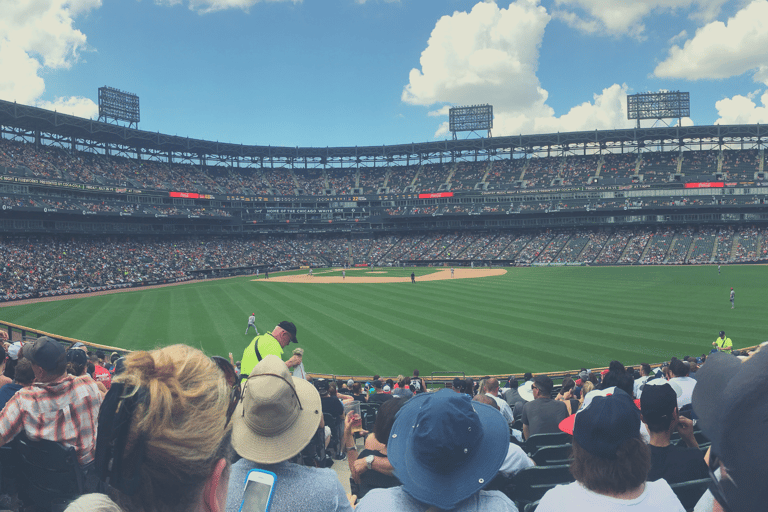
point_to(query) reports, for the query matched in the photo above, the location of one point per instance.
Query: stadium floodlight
(470, 119)
(659, 105)
(119, 106)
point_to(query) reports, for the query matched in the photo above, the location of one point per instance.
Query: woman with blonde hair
(164, 433)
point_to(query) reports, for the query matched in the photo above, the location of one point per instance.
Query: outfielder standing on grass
(252, 323)
(732, 297)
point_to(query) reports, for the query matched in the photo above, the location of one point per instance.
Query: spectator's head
(323, 386)
(100, 355)
(732, 406)
(386, 389)
(621, 380)
(285, 333)
(586, 388)
(617, 367)
(164, 432)
(277, 415)
(377, 385)
(645, 369)
(492, 386)
(512, 383)
(227, 369)
(48, 357)
(24, 375)
(357, 388)
(458, 385)
(77, 362)
(527, 376)
(416, 373)
(658, 405)
(568, 385)
(542, 386)
(14, 351)
(469, 386)
(679, 368)
(445, 448)
(609, 456)
(485, 399)
(390, 383)
(385, 418)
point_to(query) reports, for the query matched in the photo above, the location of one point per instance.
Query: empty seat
(531, 484)
(690, 492)
(553, 455)
(536, 441)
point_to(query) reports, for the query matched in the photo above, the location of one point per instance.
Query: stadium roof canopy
(35, 119)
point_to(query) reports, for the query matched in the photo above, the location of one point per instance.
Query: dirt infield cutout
(460, 273)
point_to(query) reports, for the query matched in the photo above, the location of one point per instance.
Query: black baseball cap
(77, 357)
(46, 353)
(291, 328)
(657, 402)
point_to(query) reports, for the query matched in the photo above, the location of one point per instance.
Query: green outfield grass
(531, 319)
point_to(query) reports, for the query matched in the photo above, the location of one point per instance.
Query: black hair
(385, 418)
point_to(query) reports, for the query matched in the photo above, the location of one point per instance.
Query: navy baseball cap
(606, 423)
(46, 353)
(291, 328)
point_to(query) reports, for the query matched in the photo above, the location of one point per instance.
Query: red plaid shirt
(65, 411)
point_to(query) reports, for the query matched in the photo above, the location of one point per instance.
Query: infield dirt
(319, 278)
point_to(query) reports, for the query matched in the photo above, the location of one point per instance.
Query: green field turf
(531, 319)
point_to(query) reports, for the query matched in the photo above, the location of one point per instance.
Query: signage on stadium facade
(190, 195)
(434, 195)
(81, 186)
(706, 184)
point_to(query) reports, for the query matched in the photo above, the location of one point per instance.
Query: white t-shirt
(686, 384)
(516, 461)
(574, 497)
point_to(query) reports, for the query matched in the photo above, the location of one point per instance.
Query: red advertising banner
(435, 194)
(188, 195)
(706, 184)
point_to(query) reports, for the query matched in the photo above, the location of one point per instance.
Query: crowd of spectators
(680, 246)
(658, 247)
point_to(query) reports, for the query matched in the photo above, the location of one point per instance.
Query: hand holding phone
(259, 488)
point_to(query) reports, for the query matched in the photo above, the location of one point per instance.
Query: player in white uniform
(733, 296)
(252, 323)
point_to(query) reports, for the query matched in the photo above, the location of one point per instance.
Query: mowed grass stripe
(531, 319)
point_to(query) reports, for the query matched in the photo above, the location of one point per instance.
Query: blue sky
(357, 72)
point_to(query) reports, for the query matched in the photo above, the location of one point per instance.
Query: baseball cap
(77, 357)
(730, 401)
(322, 385)
(657, 403)
(46, 353)
(386, 388)
(291, 328)
(606, 423)
(722, 333)
(14, 350)
(445, 447)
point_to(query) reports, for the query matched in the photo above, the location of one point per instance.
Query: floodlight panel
(474, 118)
(118, 105)
(659, 105)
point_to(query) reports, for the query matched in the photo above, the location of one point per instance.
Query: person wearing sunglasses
(542, 414)
(732, 407)
(163, 440)
(275, 419)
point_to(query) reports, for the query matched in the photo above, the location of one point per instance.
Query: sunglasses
(717, 486)
(234, 399)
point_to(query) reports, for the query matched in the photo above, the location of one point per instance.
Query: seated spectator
(357, 393)
(39, 409)
(164, 434)
(566, 395)
(673, 463)
(444, 449)
(23, 377)
(542, 415)
(3, 361)
(77, 364)
(681, 371)
(100, 374)
(402, 388)
(732, 407)
(516, 459)
(645, 374)
(610, 463)
(378, 395)
(512, 396)
(491, 389)
(276, 418)
(370, 468)
(417, 383)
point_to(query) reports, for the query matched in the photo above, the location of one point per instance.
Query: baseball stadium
(470, 261)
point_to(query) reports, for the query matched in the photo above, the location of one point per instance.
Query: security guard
(270, 343)
(723, 343)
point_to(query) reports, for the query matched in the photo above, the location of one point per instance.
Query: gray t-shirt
(395, 498)
(297, 488)
(543, 415)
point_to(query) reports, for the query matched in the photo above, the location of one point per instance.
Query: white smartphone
(259, 488)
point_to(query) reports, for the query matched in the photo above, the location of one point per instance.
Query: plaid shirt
(65, 411)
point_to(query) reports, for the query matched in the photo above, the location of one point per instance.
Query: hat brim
(708, 395)
(446, 489)
(286, 445)
(525, 390)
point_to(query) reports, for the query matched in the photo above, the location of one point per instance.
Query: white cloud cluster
(208, 6)
(35, 36)
(490, 55)
(743, 109)
(622, 17)
(722, 50)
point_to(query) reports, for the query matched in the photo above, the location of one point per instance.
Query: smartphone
(259, 488)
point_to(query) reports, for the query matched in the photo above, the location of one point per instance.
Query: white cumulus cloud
(490, 55)
(625, 17)
(38, 36)
(742, 109)
(722, 50)
(208, 6)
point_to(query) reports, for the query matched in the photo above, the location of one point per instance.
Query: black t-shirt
(372, 479)
(332, 406)
(677, 464)
(379, 397)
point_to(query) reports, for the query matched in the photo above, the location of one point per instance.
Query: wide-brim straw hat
(277, 414)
